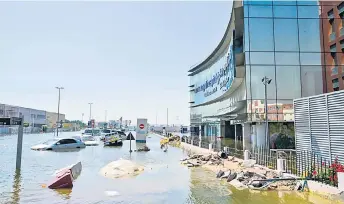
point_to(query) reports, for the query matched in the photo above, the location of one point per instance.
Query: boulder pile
(245, 174)
(199, 159)
(256, 178)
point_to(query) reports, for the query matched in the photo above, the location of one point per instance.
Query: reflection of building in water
(279, 40)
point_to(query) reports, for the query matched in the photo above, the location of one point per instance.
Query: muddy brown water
(164, 180)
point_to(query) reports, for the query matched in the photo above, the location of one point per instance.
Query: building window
(335, 60)
(335, 84)
(340, 8)
(342, 44)
(342, 19)
(333, 48)
(333, 27)
(330, 14)
(334, 71)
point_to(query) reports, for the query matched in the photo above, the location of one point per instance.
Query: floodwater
(164, 180)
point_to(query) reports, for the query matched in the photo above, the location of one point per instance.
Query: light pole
(91, 116)
(266, 81)
(167, 121)
(58, 111)
(82, 120)
(90, 110)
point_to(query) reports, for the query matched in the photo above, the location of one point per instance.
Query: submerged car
(90, 140)
(92, 131)
(60, 144)
(103, 133)
(112, 140)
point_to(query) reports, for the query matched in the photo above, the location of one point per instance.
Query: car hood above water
(39, 146)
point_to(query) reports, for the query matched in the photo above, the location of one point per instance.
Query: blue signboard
(213, 84)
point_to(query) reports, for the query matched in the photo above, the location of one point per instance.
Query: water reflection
(16, 187)
(64, 193)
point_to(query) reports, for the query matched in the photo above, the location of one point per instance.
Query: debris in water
(112, 193)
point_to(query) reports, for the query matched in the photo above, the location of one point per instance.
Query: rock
(231, 158)
(271, 174)
(190, 165)
(144, 149)
(238, 184)
(216, 157)
(206, 157)
(194, 162)
(248, 174)
(241, 179)
(121, 168)
(195, 156)
(257, 184)
(248, 163)
(219, 174)
(226, 174)
(231, 177)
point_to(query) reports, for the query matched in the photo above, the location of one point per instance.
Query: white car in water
(92, 131)
(90, 140)
(60, 144)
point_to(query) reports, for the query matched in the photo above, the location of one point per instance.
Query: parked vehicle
(112, 140)
(60, 144)
(92, 131)
(121, 134)
(90, 140)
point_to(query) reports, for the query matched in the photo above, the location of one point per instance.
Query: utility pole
(105, 115)
(58, 111)
(266, 81)
(167, 121)
(90, 110)
(82, 117)
(91, 116)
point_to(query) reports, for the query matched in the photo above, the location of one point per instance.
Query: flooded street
(164, 180)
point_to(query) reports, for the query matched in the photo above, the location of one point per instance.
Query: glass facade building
(290, 42)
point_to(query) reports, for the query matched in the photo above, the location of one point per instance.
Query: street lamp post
(58, 111)
(266, 81)
(91, 116)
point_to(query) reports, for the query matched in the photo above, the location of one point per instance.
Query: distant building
(51, 118)
(33, 117)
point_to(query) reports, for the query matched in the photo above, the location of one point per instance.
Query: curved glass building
(281, 40)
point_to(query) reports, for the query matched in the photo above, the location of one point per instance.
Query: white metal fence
(319, 124)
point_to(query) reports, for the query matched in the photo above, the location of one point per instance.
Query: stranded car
(60, 144)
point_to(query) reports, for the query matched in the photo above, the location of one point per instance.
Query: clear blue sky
(129, 58)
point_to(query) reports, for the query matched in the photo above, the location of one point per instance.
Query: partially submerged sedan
(90, 140)
(60, 144)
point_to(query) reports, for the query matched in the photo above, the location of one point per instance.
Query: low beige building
(52, 118)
